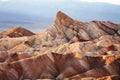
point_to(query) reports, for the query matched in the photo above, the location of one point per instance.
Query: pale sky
(4, 0)
(117, 2)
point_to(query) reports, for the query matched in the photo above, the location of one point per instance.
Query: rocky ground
(67, 50)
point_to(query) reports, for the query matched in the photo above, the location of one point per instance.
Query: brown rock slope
(16, 32)
(68, 50)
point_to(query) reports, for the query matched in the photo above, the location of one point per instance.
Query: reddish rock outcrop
(68, 50)
(16, 32)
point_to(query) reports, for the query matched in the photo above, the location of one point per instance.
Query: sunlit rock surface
(16, 32)
(67, 50)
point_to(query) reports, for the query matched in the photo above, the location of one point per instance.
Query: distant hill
(16, 32)
(9, 19)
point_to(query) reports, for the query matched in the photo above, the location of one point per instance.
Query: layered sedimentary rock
(68, 50)
(16, 32)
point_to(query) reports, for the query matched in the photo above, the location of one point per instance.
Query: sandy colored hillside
(67, 50)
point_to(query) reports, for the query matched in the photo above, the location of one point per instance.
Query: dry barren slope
(16, 32)
(68, 50)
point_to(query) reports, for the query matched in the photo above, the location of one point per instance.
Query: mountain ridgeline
(67, 50)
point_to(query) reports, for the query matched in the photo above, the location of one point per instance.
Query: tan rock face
(68, 50)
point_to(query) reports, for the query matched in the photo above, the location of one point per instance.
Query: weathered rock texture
(68, 50)
(16, 32)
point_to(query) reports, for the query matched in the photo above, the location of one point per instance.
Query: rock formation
(16, 32)
(68, 50)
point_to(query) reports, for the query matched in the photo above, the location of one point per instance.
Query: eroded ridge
(68, 50)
